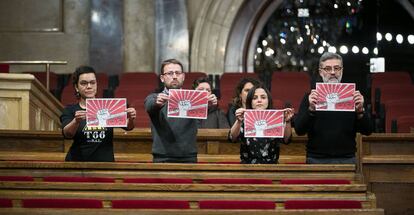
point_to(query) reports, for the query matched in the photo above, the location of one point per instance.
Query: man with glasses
(174, 139)
(331, 134)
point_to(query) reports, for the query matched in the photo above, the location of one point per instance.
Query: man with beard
(174, 139)
(331, 134)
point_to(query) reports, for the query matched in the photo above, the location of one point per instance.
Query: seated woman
(216, 117)
(89, 143)
(239, 99)
(259, 150)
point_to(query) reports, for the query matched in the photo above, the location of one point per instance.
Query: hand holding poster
(264, 123)
(106, 113)
(188, 104)
(335, 96)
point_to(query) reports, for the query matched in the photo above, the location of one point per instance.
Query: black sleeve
(67, 116)
(231, 115)
(222, 120)
(304, 117)
(364, 125)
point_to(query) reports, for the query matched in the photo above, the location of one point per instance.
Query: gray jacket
(174, 139)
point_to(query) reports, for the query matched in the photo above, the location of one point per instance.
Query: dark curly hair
(236, 98)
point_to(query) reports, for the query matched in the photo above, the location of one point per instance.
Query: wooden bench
(388, 168)
(130, 157)
(24, 211)
(137, 141)
(168, 170)
(193, 193)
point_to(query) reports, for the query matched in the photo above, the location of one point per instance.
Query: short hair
(79, 71)
(328, 56)
(250, 96)
(170, 61)
(200, 80)
(236, 98)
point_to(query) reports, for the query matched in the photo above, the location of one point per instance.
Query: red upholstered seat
(78, 179)
(142, 119)
(405, 123)
(4, 68)
(228, 82)
(314, 181)
(379, 80)
(190, 77)
(6, 203)
(62, 203)
(236, 204)
(16, 178)
(150, 204)
(159, 180)
(290, 87)
(395, 109)
(236, 181)
(322, 204)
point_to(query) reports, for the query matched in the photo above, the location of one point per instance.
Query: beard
(336, 79)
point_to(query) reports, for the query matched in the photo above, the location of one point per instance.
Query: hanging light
(388, 36)
(379, 36)
(399, 38)
(343, 49)
(365, 50)
(355, 49)
(410, 39)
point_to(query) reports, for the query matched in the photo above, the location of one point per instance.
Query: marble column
(106, 35)
(171, 32)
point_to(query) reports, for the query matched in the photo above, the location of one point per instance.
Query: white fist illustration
(331, 100)
(260, 126)
(184, 106)
(102, 116)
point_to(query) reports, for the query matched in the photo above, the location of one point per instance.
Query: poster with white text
(264, 123)
(106, 112)
(188, 104)
(335, 96)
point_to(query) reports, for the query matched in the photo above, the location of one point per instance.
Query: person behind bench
(89, 143)
(331, 134)
(174, 139)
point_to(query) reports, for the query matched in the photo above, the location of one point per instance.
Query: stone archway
(226, 34)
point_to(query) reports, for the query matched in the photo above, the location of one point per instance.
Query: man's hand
(359, 102)
(313, 99)
(162, 98)
(131, 113)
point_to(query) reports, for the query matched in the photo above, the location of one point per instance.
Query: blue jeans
(312, 160)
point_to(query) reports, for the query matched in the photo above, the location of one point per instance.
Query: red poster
(264, 123)
(335, 96)
(106, 112)
(188, 104)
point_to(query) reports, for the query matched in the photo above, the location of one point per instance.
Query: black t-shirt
(89, 143)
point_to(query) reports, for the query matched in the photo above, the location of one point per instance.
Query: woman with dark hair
(259, 150)
(239, 99)
(216, 117)
(89, 143)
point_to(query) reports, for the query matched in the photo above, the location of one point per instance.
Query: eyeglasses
(85, 83)
(330, 68)
(172, 73)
